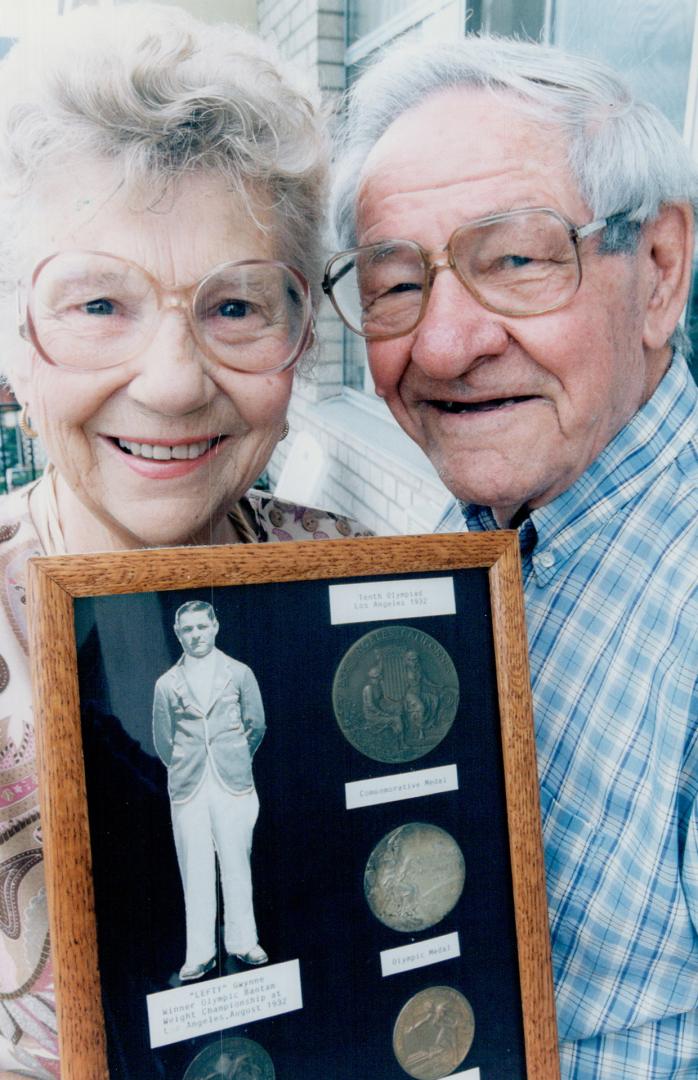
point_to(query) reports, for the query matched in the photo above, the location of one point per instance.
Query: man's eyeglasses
(88, 310)
(525, 262)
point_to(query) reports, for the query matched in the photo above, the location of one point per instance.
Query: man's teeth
(478, 406)
(182, 452)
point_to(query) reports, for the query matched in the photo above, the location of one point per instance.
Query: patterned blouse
(28, 1035)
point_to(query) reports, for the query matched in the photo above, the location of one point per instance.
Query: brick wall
(374, 472)
(310, 32)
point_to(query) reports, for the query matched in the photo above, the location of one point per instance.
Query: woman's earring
(26, 424)
(284, 431)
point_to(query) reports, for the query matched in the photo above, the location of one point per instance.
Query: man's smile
(487, 405)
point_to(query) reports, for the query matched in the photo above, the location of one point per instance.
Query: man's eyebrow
(512, 208)
(506, 208)
(509, 208)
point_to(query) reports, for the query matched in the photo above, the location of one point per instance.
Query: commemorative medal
(395, 694)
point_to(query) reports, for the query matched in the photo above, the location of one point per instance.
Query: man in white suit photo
(208, 721)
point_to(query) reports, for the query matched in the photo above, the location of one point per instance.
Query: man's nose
(456, 330)
(172, 377)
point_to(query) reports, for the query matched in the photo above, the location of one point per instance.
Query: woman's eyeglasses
(88, 310)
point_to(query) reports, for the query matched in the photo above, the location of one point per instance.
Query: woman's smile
(166, 460)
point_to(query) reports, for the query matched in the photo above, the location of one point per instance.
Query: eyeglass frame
(432, 266)
(178, 296)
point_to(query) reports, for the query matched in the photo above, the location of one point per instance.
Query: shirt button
(546, 560)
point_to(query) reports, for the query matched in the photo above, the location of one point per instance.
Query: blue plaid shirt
(610, 570)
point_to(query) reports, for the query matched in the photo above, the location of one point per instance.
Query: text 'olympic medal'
(433, 1033)
(231, 1059)
(414, 877)
(395, 694)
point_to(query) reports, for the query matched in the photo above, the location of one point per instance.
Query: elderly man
(521, 235)
(208, 720)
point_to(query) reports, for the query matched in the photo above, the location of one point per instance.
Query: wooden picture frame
(277, 597)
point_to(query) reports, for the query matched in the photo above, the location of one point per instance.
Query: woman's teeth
(182, 452)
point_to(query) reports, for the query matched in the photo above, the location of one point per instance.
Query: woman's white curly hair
(160, 94)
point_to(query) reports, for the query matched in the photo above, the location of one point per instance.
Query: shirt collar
(633, 459)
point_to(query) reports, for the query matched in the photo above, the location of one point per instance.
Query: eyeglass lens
(524, 264)
(93, 311)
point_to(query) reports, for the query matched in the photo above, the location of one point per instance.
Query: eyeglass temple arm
(329, 282)
(22, 315)
(600, 223)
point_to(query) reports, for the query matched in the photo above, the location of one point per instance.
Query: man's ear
(668, 242)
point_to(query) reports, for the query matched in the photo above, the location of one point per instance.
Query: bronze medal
(395, 694)
(433, 1033)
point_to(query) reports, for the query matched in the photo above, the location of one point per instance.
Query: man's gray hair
(160, 94)
(624, 154)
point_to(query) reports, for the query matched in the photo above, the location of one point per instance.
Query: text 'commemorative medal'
(433, 1033)
(414, 877)
(231, 1059)
(395, 694)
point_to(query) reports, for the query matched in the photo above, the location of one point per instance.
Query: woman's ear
(669, 247)
(16, 352)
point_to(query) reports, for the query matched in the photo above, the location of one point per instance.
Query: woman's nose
(172, 376)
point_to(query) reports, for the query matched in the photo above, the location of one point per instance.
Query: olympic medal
(414, 877)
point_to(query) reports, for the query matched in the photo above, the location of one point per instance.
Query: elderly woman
(161, 190)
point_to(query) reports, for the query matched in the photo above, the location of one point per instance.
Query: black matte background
(309, 851)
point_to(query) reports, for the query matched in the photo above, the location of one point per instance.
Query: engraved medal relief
(433, 1033)
(414, 877)
(231, 1059)
(395, 694)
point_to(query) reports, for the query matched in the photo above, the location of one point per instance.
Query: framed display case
(290, 812)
